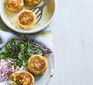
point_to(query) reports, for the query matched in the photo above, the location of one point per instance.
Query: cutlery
(39, 11)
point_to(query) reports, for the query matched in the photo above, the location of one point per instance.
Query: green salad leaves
(20, 50)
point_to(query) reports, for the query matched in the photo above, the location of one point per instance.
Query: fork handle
(46, 2)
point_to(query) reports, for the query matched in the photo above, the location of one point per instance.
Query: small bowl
(10, 18)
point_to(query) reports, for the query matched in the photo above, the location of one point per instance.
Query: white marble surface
(73, 42)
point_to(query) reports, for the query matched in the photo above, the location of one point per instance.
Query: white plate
(47, 17)
(40, 80)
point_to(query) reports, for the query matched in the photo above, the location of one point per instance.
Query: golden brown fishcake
(32, 3)
(14, 5)
(26, 19)
(22, 78)
(37, 64)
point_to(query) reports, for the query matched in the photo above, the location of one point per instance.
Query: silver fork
(39, 11)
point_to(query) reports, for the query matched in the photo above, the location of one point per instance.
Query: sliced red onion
(5, 69)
